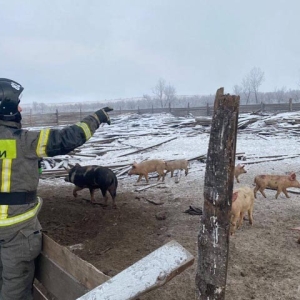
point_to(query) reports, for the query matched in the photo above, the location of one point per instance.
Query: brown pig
(276, 182)
(238, 170)
(145, 167)
(178, 164)
(242, 201)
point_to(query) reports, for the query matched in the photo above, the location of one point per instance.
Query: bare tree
(158, 91)
(256, 78)
(279, 94)
(246, 89)
(170, 93)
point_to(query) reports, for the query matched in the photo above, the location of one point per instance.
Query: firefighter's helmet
(10, 92)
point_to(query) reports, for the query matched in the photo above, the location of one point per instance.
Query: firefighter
(20, 151)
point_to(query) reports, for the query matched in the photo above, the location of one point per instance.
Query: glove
(103, 116)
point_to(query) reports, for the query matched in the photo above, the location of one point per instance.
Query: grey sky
(63, 50)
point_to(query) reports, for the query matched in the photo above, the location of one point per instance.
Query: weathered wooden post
(213, 238)
(207, 109)
(290, 104)
(56, 114)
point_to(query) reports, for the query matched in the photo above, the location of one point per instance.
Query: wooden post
(207, 109)
(57, 121)
(213, 238)
(290, 104)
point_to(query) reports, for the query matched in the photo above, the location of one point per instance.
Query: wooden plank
(57, 281)
(83, 271)
(149, 273)
(38, 294)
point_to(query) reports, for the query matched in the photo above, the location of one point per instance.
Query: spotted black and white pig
(93, 177)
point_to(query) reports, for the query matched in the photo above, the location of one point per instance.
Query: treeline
(279, 96)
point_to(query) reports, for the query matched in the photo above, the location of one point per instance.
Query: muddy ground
(264, 260)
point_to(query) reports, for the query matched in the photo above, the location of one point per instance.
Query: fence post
(57, 117)
(290, 104)
(188, 108)
(213, 237)
(207, 109)
(262, 106)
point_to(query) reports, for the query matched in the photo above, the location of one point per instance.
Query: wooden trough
(62, 275)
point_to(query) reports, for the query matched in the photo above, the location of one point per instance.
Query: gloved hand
(103, 116)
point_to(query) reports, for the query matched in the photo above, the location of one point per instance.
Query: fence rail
(63, 118)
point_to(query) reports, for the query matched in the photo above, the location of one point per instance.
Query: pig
(276, 182)
(238, 170)
(242, 201)
(178, 164)
(145, 167)
(94, 177)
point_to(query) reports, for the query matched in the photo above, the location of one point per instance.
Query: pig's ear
(68, 170)
(243, 166)
(134, 165)
(292, 176)
(234, 196)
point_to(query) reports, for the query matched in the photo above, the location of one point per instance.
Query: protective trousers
(17, 254)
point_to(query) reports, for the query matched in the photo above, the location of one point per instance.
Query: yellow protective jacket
(20, 151)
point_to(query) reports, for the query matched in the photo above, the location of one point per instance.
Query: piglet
(145, 167)
(178, 164)
(275, 182)
(242, 201)
(238, 170)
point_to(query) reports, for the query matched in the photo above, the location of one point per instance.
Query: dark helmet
(10, 92)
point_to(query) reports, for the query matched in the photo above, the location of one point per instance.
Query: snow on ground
(129, 133)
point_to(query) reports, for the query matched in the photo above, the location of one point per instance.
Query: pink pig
(238, 170)
(242, 201)
(145, 167)
(276, 182)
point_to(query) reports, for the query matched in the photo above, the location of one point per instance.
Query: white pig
(242, 202)
(238, 170)
(145, 167)
(276, 182)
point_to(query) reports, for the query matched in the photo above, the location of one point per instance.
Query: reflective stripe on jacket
(20, 150)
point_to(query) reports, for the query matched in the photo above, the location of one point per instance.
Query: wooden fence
(63, 118)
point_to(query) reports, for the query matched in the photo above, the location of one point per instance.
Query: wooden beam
(213, 238)
(149, 273)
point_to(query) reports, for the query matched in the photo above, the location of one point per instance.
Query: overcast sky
(63, 50)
